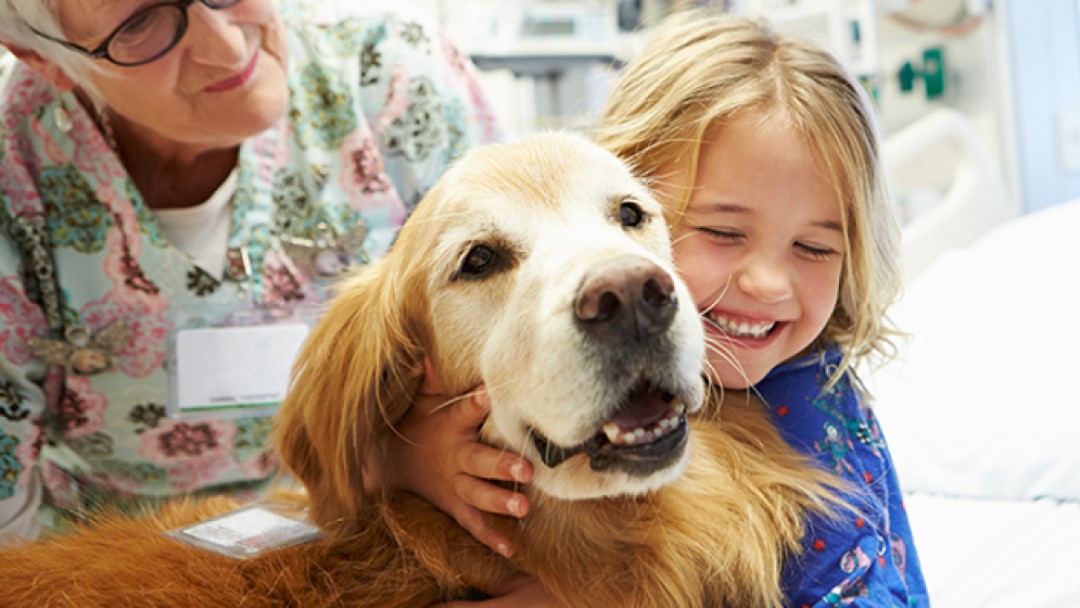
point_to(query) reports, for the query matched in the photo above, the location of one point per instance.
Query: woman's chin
(260, 111)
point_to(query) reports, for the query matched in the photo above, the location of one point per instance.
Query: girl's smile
(760, 245)
(751, 332)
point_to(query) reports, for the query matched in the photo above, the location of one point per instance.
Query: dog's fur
(542, 269)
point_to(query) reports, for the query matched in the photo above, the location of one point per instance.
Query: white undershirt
(202, 231)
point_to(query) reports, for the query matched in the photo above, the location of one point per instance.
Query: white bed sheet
(982, 414)
(979, 553)
(984, 399)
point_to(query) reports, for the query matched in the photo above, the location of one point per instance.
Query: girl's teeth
(743, 329)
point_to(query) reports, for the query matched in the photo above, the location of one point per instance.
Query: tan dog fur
(711, 529)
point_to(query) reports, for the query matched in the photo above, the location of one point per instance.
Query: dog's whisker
(521, 449)
(678, 239)
(719, 347)
(719, 296)
(714, 345)
(452, 401)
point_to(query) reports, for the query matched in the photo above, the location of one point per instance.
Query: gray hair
(16, 19)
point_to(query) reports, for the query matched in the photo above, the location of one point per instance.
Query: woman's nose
(214, 39)
(767, 281)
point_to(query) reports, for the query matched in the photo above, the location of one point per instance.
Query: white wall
(1044, 50)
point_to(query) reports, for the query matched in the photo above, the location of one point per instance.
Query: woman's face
(760, 247)
(222, 83)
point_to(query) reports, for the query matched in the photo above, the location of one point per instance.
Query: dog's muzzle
(647, 433)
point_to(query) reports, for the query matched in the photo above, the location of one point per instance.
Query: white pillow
(984, 400)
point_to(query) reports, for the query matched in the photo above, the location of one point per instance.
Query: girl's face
(222, 83)
(760, 247)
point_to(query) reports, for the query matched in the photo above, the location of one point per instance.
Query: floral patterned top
(859, 561)
(380, 104)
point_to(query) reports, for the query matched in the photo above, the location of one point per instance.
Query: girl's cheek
(704, 266)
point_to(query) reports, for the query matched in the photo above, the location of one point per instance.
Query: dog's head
(542, 269)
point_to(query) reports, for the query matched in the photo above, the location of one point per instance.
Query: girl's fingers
(471, 410)
(474, 523)
(481, 460)
(488, 497)
(486, 462)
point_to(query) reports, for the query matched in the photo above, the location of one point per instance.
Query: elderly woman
(171, 167)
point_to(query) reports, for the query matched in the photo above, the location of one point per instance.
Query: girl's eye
(631, 214)
(818, 253)
(729, 236)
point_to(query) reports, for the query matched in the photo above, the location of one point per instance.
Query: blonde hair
(699, 69)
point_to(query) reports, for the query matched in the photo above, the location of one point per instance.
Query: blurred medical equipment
(943, 209)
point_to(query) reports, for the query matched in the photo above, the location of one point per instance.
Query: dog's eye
(631, 214)
(479, 262)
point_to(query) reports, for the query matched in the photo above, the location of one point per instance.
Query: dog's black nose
(626, 296)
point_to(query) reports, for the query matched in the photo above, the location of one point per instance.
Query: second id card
(238, 370)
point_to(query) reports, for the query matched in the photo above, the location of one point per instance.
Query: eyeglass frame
(101, 51)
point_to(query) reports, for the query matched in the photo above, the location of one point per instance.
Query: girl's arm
(439, 458)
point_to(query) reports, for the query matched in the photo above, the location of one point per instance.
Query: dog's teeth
(645, 434)
(611, 430)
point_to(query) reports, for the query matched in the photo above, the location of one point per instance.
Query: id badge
(233, 371)
(249, 532)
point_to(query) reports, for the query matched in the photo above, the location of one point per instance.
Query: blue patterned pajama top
(858, 561)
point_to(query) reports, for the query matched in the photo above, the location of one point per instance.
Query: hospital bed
(982, 408)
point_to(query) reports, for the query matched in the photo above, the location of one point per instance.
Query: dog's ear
(355, 378)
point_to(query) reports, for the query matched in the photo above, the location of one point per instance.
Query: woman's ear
(43, 67)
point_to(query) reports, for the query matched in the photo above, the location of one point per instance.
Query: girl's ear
(44, 68)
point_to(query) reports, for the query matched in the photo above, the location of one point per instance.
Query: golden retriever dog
(543, 270)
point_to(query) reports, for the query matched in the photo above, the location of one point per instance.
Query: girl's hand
(520, 592)
(441, 460)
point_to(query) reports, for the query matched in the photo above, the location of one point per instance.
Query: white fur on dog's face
(528, 227)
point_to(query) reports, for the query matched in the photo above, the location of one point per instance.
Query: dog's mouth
(646, 433)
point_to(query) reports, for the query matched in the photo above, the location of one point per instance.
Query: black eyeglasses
(144, 36)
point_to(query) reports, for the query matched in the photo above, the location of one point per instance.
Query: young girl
(765, 154)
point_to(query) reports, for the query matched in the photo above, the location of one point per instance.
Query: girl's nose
(213, 38)
(767, 281)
